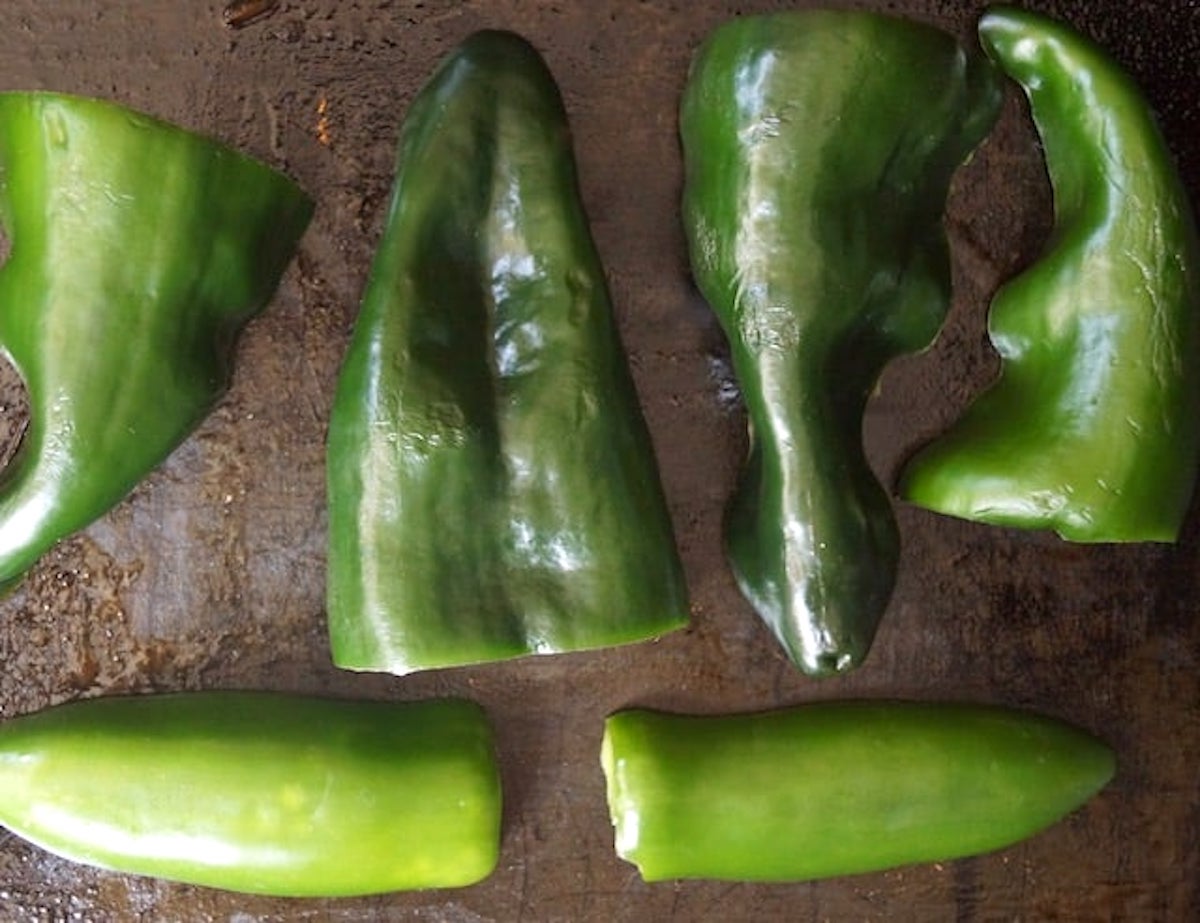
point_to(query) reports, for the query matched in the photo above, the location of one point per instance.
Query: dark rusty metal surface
(211, 574)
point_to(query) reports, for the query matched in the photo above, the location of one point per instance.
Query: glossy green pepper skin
(492, 487)
(819, 147)
(138, 250)
(1092, 427)
(840, 788)
(261, 793)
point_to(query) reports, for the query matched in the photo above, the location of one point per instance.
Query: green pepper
(492, 486)
(819, 147)
(838, 788)
(262, 793)
(1093, 427)
(138, 250)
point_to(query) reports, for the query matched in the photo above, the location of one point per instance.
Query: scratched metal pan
(211, 575)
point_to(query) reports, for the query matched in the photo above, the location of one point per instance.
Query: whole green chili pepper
(138, 250)
(492, 486)
(259, 792)
(1093, 427)
(819, 147)
(831, 789)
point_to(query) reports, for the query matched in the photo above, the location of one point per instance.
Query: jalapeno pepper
(259, 792)
(1093, 427)
(492, 485)
(837, 788)
(138, 250)
(819, 147)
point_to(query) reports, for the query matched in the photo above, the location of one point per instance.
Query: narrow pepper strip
(261, 793)
(819, 148)
(1093, 427)
(492, 487)
(138, 250)
(839, 788)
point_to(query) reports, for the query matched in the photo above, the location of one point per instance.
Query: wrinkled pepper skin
(816, 791)
(492, 486)
(1092, 428)
(138, 250)
(819, 147)
(262, 793)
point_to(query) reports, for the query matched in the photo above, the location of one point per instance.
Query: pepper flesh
(138, 250)
(1093, 427)
(839, 788)
(492, 486)
(261, 793)
(819, 147)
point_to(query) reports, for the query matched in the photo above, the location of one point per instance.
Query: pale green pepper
(259, 792)
(837, 788)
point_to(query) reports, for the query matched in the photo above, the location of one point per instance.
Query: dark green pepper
(138, 250)
(492, 486)
(819, 147)
(837, 788)
(259, 792)
(1093, 427)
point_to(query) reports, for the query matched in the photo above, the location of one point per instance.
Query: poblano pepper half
(492, 486)
(138, 250)
(1093, 427)
(819, 147)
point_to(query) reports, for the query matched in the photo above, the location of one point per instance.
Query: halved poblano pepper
(819, 147)
(492, 487)
(262, 793)
(1093, 427)
(138, 250)
(830, 789)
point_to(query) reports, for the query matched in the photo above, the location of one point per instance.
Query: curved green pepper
(492, 486)
(1093, 427)
(837, 788)
(819, 147)
(259, 792)
(138, 250)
